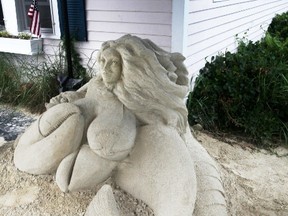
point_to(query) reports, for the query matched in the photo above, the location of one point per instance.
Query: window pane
(45, 14)
(1, 17)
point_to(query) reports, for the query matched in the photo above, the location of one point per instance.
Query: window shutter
(76, 17)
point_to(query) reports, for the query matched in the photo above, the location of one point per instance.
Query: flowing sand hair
(153, 82)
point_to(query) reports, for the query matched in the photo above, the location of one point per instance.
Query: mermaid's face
(111, 66)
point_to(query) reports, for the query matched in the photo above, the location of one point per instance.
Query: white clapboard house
(198, 29)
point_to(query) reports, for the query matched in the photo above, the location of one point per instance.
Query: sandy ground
(22, 194)
(255, 181)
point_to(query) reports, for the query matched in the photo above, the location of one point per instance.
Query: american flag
(34, 14)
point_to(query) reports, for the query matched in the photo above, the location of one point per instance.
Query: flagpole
(67, 39)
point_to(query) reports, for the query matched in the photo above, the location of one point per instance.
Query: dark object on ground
(69, 84)
(13, 123)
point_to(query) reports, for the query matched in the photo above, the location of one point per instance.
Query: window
(1, 18)
(46, 18)
(45, 15)
(16, 19)
(51, 17)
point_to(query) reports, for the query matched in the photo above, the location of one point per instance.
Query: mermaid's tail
(160, 172)
(210, 199)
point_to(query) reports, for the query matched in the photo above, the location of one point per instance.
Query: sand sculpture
(129, 123)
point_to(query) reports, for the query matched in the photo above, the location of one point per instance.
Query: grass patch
(30, 83)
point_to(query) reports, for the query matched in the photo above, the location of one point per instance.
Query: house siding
(212, 26)
(111, 19)
(197, 28)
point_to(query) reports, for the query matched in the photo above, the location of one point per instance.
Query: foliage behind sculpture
(245, 92)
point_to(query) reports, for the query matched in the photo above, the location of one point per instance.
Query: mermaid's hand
(65, 97)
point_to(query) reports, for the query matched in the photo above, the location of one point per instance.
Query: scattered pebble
(281, 151)
(12, 123)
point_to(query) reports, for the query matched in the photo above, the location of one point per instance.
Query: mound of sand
(256, 183)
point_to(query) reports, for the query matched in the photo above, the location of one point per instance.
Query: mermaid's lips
(83, 170)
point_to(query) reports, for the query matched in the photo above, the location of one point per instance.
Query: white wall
(208, 27)
(10, 17)
(110, 19)
(213, 26)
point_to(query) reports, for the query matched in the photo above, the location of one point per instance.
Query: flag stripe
(34, 14)
(35, 24)
(31, 11)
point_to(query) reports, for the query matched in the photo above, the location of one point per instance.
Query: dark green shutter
(76, 17)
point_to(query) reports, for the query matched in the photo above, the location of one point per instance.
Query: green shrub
(245, 92)
(78, 70)
(279, 26)
(5, 34)
(25, 36)
(30, 83)
(9, 80)
(26, 83)
(39, 84)
(21, 35)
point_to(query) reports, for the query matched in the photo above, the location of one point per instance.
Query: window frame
(14, 24)
(21, 6)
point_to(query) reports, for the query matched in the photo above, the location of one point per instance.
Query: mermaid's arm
(68, 96)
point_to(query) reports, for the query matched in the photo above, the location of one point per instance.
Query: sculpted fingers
(65, 97)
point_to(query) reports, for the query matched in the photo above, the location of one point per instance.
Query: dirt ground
(255, 181)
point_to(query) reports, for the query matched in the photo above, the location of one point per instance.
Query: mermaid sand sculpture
(129, 123)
